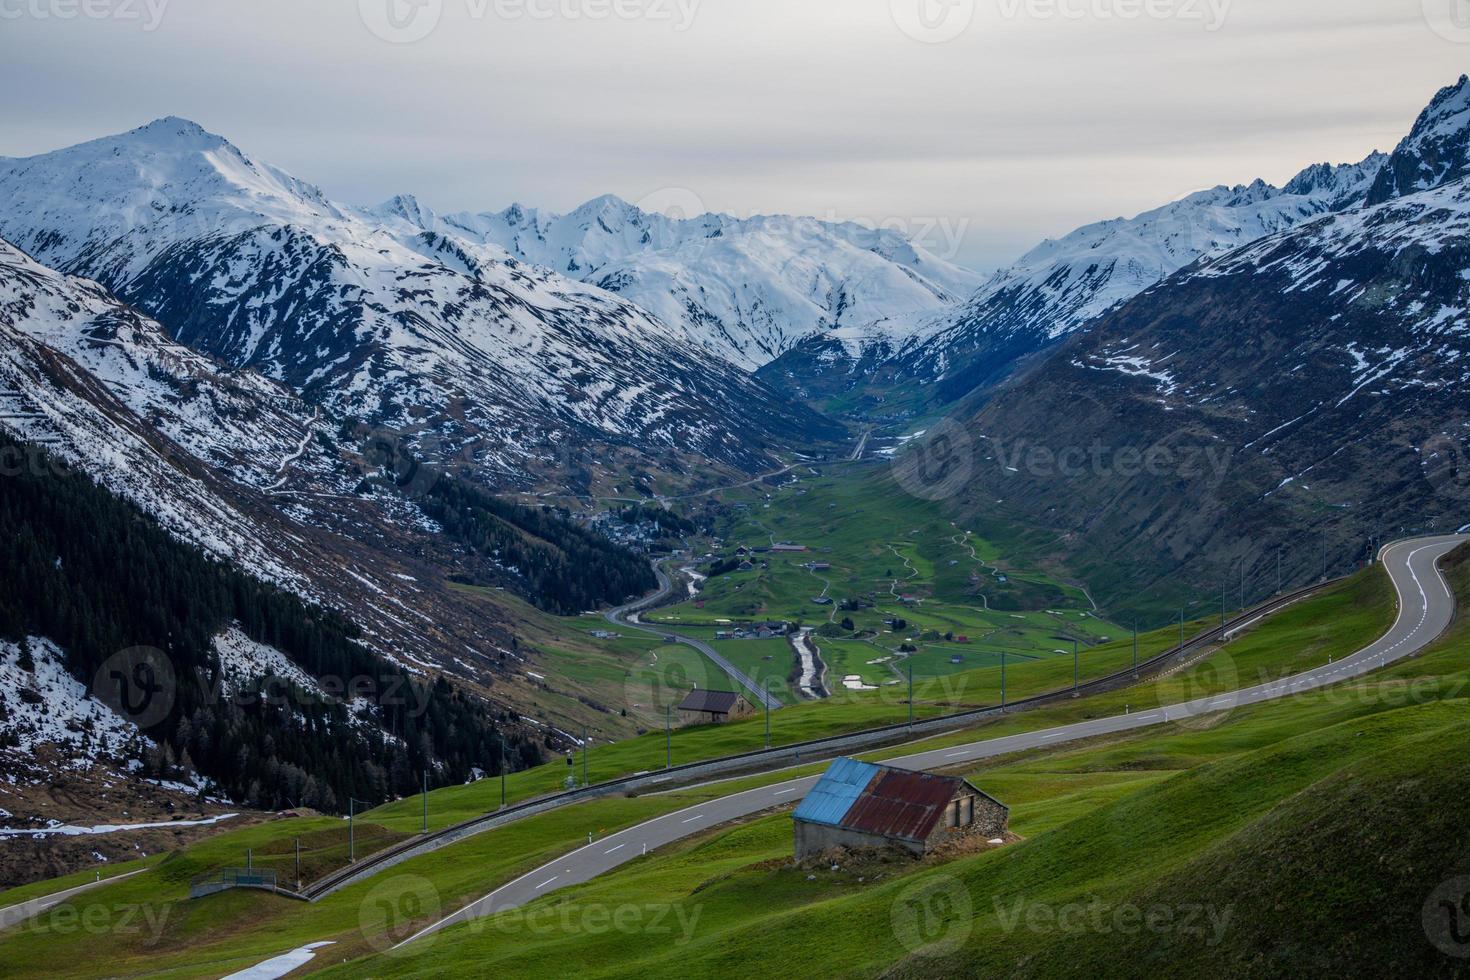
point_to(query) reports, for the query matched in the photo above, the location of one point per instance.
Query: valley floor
(1136, 821)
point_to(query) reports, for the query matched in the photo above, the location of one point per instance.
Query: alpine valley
(263, 433)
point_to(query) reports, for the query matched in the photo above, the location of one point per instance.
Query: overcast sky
(982, 125)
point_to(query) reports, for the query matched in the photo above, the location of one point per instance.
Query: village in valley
(813, 606)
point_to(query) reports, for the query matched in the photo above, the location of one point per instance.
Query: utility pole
(669, 736)
(767, 699)
(426, 801)
(1135, 646)
(585, 744)
(351, 831)
(1002, 680)
(1181, 629)
(502, 772)
(1076, 667)
(1324, 555)
(298, 864)
(1280, 578)
(911, 694)
(249, 859)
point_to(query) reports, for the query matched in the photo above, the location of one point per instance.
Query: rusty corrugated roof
(902, 804)
(871, 799)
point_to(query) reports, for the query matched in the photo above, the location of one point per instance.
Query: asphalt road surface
(29, 910)
(1426, 607)
(626, 616)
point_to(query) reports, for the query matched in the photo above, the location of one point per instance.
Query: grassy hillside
(1300, 836)
(1080, 810)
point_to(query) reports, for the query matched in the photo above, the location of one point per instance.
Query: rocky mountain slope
(331, 510)
(482, 359)
(1060, 286)
(746, 290)
(1315, 378)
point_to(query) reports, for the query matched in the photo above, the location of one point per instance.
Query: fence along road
(1426, 607)
(773, 760)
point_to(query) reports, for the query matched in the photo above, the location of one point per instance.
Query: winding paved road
(1426, 607)
(29, 910)
(627, 617)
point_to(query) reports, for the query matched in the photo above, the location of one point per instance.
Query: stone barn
(712, 707)
(860, 805)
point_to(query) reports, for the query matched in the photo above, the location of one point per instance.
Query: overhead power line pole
(911, 694)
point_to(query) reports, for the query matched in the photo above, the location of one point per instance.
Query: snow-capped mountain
(745, 289)
(225, 460)
(1061, 285)
(236, 421)
(1316, 377)
(496, 364)
(95, 382)
(1435, 152)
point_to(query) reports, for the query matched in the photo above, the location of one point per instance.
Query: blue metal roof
(836, 792)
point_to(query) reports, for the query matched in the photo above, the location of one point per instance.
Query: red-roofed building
(860, 805)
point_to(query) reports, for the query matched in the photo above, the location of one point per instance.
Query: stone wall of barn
(992, 820)
(813, 839)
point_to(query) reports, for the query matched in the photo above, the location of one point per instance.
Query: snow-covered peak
(746, 289)
(1139, 251)
(1065, 283)
(172, 132)
(1436, 152)
(170, 179)
(406, 207)
(1343, 185)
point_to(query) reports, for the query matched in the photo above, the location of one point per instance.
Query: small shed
(861, 805)
(712, 707)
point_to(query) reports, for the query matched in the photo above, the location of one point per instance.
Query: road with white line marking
(1426, 607)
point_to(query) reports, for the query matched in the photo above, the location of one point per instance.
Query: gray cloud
(1023, 126)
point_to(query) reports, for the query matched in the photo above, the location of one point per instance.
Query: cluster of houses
(755, 631)
(639, 537)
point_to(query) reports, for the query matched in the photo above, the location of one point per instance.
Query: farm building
(712, 707)
(860, 805)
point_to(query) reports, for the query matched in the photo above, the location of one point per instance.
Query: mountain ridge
(490, 363)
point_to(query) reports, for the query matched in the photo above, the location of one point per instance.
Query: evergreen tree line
(97, 576)
(669, 523)
(561, 567)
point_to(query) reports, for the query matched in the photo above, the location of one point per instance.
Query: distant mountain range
(1323, 369)
(747, 290)
(501, 367)
(223, 345)
(1061, 286)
